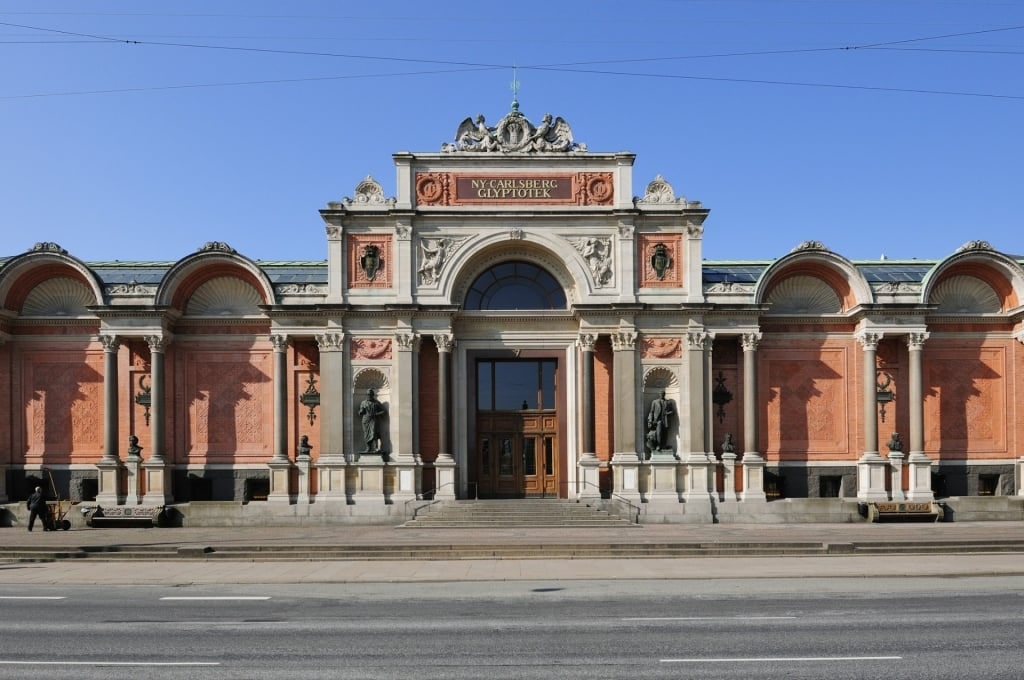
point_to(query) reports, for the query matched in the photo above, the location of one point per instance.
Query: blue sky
(138, 130)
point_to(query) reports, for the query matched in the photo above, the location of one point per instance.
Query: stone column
(157, 470)
(871, 466)
(331, 464)
(625, 462)
(444, 464)
(588, 463)
(111, 470)
(280, 466)
(753, 462)
(919, 465)
(404, 467)
(697, 463)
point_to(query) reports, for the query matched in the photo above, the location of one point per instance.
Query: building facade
(515, 322)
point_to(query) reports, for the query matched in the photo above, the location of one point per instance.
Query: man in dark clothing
(37, 507)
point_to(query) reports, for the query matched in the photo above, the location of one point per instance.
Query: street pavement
(964, 554)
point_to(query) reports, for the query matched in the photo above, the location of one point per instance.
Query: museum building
(515, 322)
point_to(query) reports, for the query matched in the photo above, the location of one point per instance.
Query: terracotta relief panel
(64, 404)
(230, 409)
(965, 400)
(656, 273)
(807, 412)
(371, 349)
(369, 261)
(661, 348)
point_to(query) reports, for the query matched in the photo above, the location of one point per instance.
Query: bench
(127, 516)
(904, 511)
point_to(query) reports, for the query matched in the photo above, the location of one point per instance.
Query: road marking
(768, 659)
(32, 597)
(708, 618)
(109, 663)
(218, 597)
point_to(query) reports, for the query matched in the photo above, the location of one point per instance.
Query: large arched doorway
(517, 437)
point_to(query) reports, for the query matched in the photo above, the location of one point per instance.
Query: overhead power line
(569, 67)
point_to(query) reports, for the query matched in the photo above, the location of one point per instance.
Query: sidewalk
(966, 555)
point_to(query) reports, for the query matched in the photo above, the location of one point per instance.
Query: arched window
(515, 285)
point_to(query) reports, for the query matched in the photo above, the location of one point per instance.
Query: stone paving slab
(186, 572)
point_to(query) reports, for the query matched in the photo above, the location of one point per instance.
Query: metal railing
(427, 499)
(632, 511)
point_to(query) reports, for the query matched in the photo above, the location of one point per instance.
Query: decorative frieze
(371, 349)
(661, 348)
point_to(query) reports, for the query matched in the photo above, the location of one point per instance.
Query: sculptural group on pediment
(514, 133)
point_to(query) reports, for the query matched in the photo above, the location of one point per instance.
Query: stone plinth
(871, 470)
(753, 477)
(111, 476)
(331, 479)
(280, 481)
(699, 468)
(661, 481)
(589, 478)
(158, 483)
(304, 480)
(133, 479)
(366, 480)
(626, 476)
(919, 473)
(444, 478)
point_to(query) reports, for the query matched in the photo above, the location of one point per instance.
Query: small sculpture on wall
(660, 260)
(372, 413)
(659, 420)
(134, 450)
(727, 445)
(435, 251)
(895, 443)
(371, 261)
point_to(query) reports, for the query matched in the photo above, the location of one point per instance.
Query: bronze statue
(371, 412)
(659, 419)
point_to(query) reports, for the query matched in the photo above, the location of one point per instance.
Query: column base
(589, 483)
(753, 478)
(331, 479)
(444, 477)
(698, 478)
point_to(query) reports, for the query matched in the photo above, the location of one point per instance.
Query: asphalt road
(940, 628)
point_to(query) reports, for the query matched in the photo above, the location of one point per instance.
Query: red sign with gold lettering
(581, 188)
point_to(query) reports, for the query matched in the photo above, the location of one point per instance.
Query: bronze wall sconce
(883, 394)
(144, 397)
(720, 396)
(310, 399)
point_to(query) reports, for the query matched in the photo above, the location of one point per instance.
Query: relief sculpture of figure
(659, 419)
(434, 254)
(597, 253)
(371, 411)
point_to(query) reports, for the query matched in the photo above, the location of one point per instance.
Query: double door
(516, 454)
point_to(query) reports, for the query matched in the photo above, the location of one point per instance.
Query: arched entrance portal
(516, 444)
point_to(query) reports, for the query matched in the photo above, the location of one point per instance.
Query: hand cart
(59, 509)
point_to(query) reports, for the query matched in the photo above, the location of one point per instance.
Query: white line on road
(768, 659)
(707, 618)
(219, 597)
(32, 597)
(109, 663)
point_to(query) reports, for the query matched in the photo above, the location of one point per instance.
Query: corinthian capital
(869, 341)
(916, 340)
(111, 343)
(624, 341)
(586, 341)
(750, 341)
(445, 342)
(331, 342)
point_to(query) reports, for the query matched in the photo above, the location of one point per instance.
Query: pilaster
(871, 467)
(753, 462)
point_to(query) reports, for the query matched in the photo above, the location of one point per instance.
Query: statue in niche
(371, 261)
(302, 452)
(434, 253)
(659, 420)
(372, 412)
